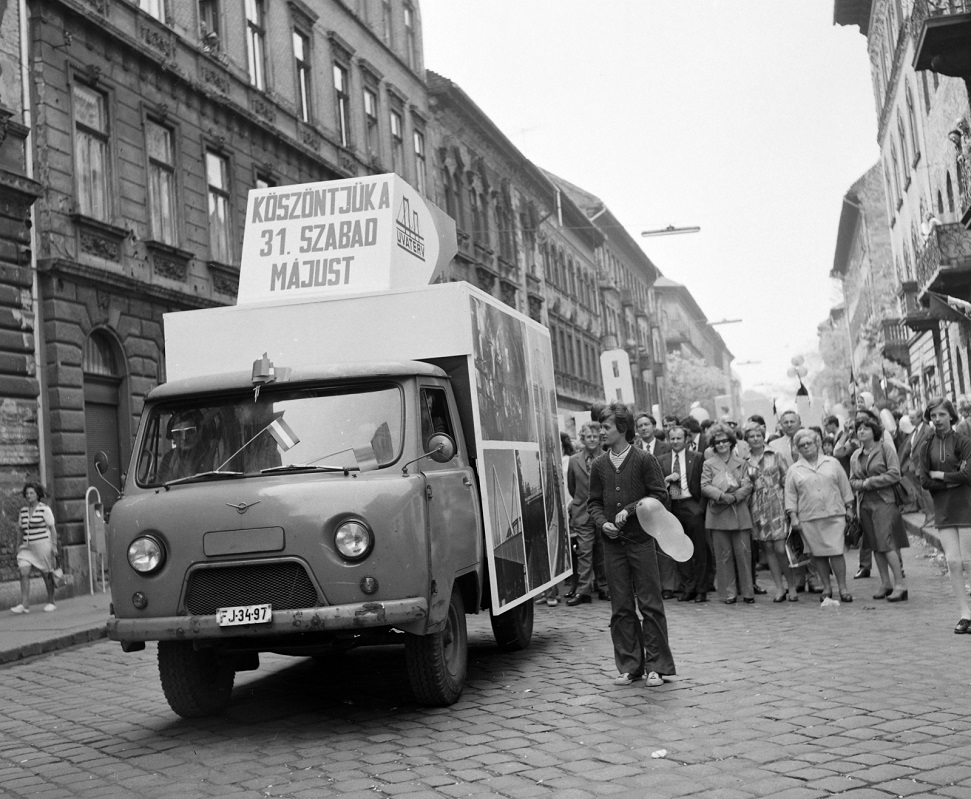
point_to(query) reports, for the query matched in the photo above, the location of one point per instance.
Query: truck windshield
(235, 436)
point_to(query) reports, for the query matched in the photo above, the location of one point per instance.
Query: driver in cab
(187, 456)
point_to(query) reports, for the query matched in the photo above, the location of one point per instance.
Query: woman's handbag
(58, 574)
(796, 550)
(853, 532)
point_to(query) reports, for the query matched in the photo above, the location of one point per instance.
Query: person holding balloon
(619, 479)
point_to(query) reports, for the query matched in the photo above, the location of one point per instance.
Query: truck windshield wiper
(216, 473)
(310, 467)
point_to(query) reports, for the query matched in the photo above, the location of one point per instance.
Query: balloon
(798, 360)
(791, 371)
(698, 413)
(802, 371)
(889, 423)
(665, 528)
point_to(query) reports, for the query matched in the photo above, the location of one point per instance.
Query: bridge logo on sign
(408, 230)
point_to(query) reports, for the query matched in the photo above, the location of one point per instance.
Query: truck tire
(437, 663)
(514, 628)
(194, 681)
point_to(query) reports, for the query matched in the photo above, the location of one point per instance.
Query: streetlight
(671, 230)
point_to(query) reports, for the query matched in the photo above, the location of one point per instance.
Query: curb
(65, 641)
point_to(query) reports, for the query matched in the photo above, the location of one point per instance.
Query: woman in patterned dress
(767, 470)
(38, 547)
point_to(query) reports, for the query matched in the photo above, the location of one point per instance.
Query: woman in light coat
(819, 501)
(726, 484)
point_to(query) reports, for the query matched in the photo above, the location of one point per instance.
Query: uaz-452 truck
(323, 472)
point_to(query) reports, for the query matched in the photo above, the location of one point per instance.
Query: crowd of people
(787, 501)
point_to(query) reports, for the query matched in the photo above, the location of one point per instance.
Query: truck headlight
(146, 554)
(354, 540)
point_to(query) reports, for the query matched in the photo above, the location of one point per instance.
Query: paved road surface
(791, 701)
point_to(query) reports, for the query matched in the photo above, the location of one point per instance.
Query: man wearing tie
(644, 426)
(591, 574)
(682, 470)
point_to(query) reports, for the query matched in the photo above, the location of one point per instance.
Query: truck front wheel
(195, 682)
(437, 663)
(514, 628)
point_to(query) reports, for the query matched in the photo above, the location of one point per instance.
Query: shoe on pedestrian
(50, 607)
(627, 679)
(899, 595)
(551, 602)
(779, 597)
(540, 600)
(793, 597)
(846, 596)
(701, 598)
(883, 593)
(687, 596)
(653, 679)
(861, 573)
(758, 589)
(667, 595)
(749, 600)
(962, 626)
(580, 599)
(571, 594)
(19, 609)
(730, 601)
(603, 596)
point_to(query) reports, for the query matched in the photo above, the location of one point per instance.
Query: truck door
(452, 499)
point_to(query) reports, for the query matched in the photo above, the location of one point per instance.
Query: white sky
(750, 118)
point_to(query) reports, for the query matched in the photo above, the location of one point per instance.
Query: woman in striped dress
(38, 547)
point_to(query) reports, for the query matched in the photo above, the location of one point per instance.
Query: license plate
(244, 614)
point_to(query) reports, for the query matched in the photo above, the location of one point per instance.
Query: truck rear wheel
(195, 682)
(514, 628)
(437, 663)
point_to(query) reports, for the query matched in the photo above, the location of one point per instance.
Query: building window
(91, 152)
(905, 163)
(949, 188)
(265, 182)
(161, 182)
(301, 57)
(217, 176)
(256, 42)
(912, 122)
(343, 105)
(476, 216)
(459, 206)
(411, 47)
(209, 21)
(397, 144)
(386, 27)
(895, 161)
(420, 176)
(371, 120)
(154, 8)
(484, 219)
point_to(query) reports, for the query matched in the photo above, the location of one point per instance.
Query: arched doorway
(105, 407)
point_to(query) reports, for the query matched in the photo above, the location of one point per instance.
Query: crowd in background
(791, 501)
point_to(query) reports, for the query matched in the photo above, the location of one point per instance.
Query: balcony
(895, 346)
(942, 34)
(944, 262)
(916, 317)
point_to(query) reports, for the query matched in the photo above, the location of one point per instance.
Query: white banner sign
(339, 237)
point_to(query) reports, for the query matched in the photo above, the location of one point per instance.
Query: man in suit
(591, 575)
(688, 505)
(645, 426)
(791, 423)
(909, 455)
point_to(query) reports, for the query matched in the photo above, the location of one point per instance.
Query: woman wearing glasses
(819, 501)
(874, 469)
(726, 484)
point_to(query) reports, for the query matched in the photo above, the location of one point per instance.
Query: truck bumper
(396, 613)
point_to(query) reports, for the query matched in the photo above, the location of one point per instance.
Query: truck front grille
(285, 586)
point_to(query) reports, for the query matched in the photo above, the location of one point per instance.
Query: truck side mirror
(441, 447)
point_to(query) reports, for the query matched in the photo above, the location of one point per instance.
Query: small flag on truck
(282, 434)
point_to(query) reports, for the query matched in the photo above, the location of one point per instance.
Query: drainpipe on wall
(35, 283)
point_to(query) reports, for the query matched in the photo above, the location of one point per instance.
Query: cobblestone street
(791, 701)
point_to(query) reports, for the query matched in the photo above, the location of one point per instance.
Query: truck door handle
(466, 482)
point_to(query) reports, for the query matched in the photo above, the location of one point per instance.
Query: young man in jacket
(619, 479)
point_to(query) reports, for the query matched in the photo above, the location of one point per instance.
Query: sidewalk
(77, 620)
